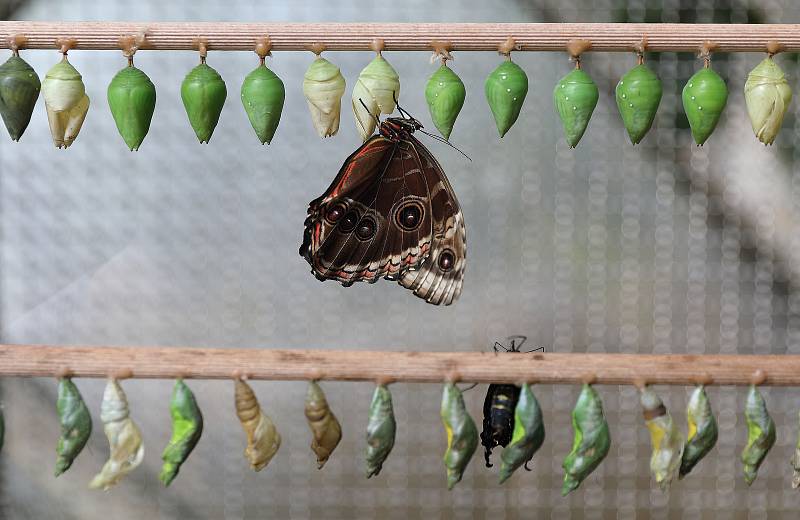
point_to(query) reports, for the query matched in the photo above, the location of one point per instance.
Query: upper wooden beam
(232, 36)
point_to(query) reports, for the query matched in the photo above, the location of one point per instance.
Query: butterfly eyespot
(366, 229)
(348, 222)
(409, 216)
(446, 260)
(335, 213)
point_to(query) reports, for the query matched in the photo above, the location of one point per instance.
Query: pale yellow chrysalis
(263, 439)
(378, 87)
(124, 438)
(66, 102)
(767, 95)
(323, 87)
(666, 440)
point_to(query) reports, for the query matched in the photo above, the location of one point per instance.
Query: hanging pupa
(505, 89)
(528, 434)
(323, 87)
(2, 428)
(19, 90)
(187, 427)
(380, 430)
(76, 424)
(638, 95)
(325, 428)
(760, 433)
(795, 461)
(132, 99)
(575, 96)
(462, 434)
(702, 435)
(203, 93)
(263, 94)
(124, 438)
(767, 95)
(65, 100)
(704, 98)
(378, 88)
(445, 93)
(665, 439)
(263, 439)
(591, 441)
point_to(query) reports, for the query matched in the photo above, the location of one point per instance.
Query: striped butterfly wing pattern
(389, 213)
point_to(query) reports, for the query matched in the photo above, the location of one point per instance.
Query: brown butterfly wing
(353, 233)
(440, 277)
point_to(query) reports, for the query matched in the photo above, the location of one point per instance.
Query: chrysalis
(665, 439)
(760, 434)
(203, 93)
(263, 94)
(325, 428)
(528, 434)
(506, 88)
(76, 424)
(702, 430)
(591, 442)
(445, 94)
(380, 430)
(187, 426)
(263, 439)
(66, 102)
(132, 99)
(575, 97)
(19, 90)
(323, 87)
(124, 438)
(498, 417)
(795, 461)
(767, 94)
(2, 428)
(462, 434)
(378, 86)
(704, 98)
(638, 96)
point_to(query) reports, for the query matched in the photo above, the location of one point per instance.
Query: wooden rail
(415, 367)
(231, 36)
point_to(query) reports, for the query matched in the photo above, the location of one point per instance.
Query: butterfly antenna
(445, 141)
(403, 113)
(377, 121)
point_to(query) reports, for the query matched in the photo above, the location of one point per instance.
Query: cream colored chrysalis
(65, 100)
(263, 439)
(323, 87)
(124, 438)
(767, 95)
(375, 92)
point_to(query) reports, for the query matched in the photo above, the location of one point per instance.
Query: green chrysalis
(506, 88)
(132, 99)
(19, 90)
(767, 95)
(665, 439)
(703, 431)
(575, 97)
(203, 93)
(638, 95)
(380, 430)
(760, 434)
(76, 424)
(704, 98)
(187, 427)
(445, 94)
(263, 94)
(462, 434)
(528, 434)
(591, 442)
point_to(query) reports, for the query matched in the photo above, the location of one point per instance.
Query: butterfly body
(389, 213)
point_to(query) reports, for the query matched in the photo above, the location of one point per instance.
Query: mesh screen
(664, 247)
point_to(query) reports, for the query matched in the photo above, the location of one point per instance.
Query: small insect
(498, 407)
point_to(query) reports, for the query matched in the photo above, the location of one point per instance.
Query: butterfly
(390, 213)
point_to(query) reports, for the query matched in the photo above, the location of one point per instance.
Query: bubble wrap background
(664, 247)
